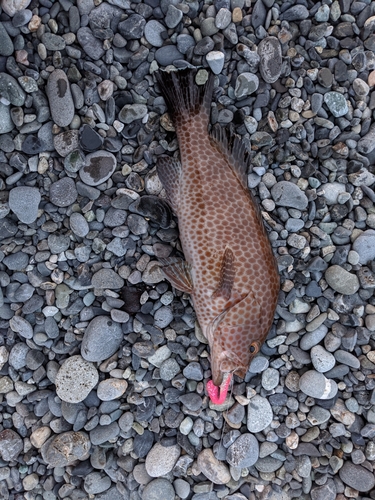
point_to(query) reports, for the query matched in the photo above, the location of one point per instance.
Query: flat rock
(11, 445)
(63, 192)
(215, 470)
(357, 477)
(107, 278)
(75, 379)
(102, 338)
(65, 448)
(259, 415)
(24, 202)
(287, 194)
(322, 360)
(316, 385)
(157, 489)
(99, 167)
(60, 98)
(11, 90)
(341, 280)
(364, 245)
(269, 51)
(161, 459)
(244, 452)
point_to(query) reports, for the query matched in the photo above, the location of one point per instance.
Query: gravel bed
(102, 366)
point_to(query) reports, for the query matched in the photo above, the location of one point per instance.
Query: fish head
(231, 352)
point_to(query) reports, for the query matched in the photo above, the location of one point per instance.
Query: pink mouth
(217, 394)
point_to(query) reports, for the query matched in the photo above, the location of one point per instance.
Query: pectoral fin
(178, 272)
(226, 277)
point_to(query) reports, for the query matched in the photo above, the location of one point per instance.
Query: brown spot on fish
(233, 276)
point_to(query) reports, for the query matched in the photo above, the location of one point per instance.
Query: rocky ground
(102, 368)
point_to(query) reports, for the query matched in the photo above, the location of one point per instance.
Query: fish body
(229, 267)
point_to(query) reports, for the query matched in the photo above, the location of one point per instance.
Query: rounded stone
(341, 280)
(212, 468)
(63, 192)
(357, 477)
(287, 194)
(336, 103)
(11, 445)
(24, 202)
(78, 224)
(364, 245)
(101, 339)
(161, 459)
(316, 385)
(244, 452)
(111, 389)
(99, 166)
(65, 448)
(107, 278)
(270, 65)
(157, 489)
(259, 415)
(322, 360)
(75, 379)
(60, 98)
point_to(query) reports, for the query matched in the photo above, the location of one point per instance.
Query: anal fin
(169, 172)
(178, 272)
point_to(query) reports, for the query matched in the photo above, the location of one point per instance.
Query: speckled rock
(75, 379)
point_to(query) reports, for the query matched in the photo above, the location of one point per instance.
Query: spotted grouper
(229, 268)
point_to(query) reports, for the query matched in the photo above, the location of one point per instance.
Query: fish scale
(229, 268)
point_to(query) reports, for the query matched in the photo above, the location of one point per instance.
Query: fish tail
(184, 98)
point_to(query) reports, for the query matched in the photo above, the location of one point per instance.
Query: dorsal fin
(234, 150)
(178, 272)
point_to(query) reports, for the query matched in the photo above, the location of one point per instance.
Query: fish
(229, 268)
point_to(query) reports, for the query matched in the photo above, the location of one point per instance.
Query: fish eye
(253, 348)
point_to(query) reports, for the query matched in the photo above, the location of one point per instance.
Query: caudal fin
(184, 98)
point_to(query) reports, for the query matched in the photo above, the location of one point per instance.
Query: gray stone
(11, 445)
(75, 379)
(215, 60)
(6, 44)
(173, 16)
(11, 90)
(102, 338)
(63, 192)
(16, 261)
(259, 415)
(244, 452)
(132, 112)
(246, 84)
(269, 51)
(107, 278)
(316, 385)
(341, 280)
(161, 459)
(78, 224)
(336, 103)
(270, 379)
(91, 45)
(167, 55)
(99, 166)
(157, 489)
(364, 245)
(287, 194)
(96, 482)
(322, 360)
(65, 448)
(24, 202)
(169, 369)
(132, 28)
(60, 98)
(153, 31)
(357, 477)
(6, 122)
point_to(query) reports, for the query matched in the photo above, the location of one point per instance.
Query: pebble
(287, 194)
(11, 445)
(214, 470)
(357, 477)
(99, 166)
(269, 51)
(65, 448)
(364, 246)
(75, 379)
(102, 338)
(60, 98)
(259, 415)
(244, 452)
(24, 202)
(316, 385)
(111, 389)
(158, 488)
(341, 280)
(63, 192)
(322, 360)
(161, 459)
